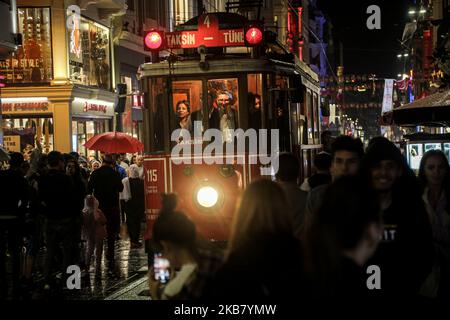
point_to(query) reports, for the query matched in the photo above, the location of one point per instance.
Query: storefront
(59, 83)
(27, 121)
(89, 118)
(57, 121)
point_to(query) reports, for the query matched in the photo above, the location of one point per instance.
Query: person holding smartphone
(176, 236)
(191, 265)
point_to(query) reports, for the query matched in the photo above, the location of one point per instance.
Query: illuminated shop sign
(39, 104)
(96, 107)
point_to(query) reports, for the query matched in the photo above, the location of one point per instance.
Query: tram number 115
(152, 175)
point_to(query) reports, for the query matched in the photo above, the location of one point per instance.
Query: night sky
(369, 51)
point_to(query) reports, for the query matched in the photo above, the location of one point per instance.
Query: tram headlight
(207, 196)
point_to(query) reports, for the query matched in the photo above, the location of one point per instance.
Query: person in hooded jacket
(405, 254)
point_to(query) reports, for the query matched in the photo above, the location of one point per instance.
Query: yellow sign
(12, 143)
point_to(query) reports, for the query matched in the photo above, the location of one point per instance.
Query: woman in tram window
(183, 111)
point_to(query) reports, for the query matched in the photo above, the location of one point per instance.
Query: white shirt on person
(182, 277)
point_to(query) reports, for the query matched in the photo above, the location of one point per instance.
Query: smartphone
(161, 268)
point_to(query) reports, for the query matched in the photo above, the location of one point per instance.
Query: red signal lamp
(153, 40)
(253, 36)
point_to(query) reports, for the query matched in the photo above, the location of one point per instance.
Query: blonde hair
(263, 212)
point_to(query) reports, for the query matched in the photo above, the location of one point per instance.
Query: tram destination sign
(208, 35)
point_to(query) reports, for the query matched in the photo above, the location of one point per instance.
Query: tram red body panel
(163, 175)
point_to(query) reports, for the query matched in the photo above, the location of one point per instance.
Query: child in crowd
(94, 230)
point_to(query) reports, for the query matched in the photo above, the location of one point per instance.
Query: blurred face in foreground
(435, 170)
(384, 174)
(344, 163)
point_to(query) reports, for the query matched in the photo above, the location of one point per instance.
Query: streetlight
(411, 11)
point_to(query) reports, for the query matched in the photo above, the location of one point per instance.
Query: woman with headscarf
(133, 194)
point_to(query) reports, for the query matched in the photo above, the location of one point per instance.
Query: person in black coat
(343, 235)
(405, 255)
(57, 193)
(73, 170)
(105, 183)
(14, 198)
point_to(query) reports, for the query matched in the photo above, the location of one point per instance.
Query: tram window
(187, 105)
(310, 114)
(254, 96)
(316, 118)
(158, 102)
(223, 104)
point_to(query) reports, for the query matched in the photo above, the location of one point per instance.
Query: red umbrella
(114, 142)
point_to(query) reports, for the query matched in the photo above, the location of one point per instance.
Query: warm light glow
(28, 99)
(153, 40)
(207, 196)
(92, 101)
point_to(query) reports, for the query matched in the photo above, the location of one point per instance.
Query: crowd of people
(65, 207)
(361, 209)
(366, 211)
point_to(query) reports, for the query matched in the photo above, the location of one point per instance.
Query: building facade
(60, 83)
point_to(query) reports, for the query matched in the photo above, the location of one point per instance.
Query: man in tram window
(222, 116)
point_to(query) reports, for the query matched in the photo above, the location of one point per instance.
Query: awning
(433, 110)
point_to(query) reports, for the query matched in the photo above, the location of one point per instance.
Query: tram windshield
(224, 104)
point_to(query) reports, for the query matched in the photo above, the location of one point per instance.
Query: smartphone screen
(161, 267)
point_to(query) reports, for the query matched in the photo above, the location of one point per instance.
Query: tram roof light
(153, 40)
(253, 34)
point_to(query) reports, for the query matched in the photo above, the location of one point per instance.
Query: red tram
(219, 62)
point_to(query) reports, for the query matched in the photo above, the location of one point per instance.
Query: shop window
(85, 129)
(26, 133)
(127, 121)
(32, 63)
(89, 53)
